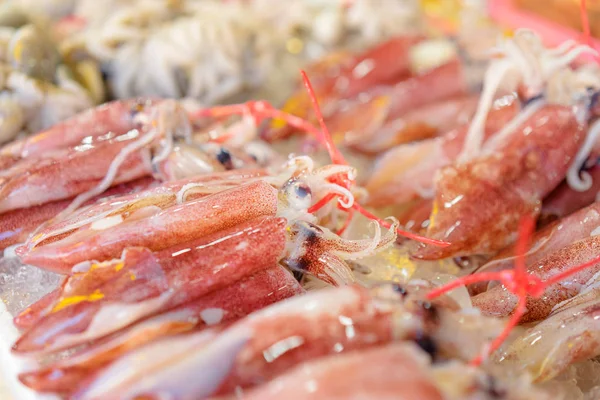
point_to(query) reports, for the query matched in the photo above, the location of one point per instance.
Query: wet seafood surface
(182, 217)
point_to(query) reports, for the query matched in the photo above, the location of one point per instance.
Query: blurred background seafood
(216, 51)
(60, 57)
(423, 195)
(39, 86)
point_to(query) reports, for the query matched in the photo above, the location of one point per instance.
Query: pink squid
(16, 225)
(479, 203)
(142, 283)
(225, 305)
(162, 229)
(407, 172)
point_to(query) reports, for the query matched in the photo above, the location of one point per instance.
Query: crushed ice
(21, 285)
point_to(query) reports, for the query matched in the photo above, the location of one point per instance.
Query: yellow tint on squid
(443, 11)
(434, 212)
(72, 300)
(119, 266)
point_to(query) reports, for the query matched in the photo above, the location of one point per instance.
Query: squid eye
(298, 194)
(302, 190)
(224, 157)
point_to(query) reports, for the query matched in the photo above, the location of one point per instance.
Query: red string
(585, 22)
(261, 110)
(518, 281)
(410, 235)
(325, 136)
(346, 223)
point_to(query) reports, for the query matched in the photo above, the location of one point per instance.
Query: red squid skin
(564, 200)
(160, 196)
(115, 117)
(416, 217)
(478, 204)
(189, 270)
(391, 64)
(438, 84)
(173, 225)
(554, 236)
(33, 313)
(394, 183)
(421, 123)
(441, 82)
(499, 302)
(237, 300)
(68, 173)
(319, 335)
(356, 375)
(338, 78)
(15, 226)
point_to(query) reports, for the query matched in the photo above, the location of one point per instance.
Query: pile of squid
(61, 57)
(200, 262)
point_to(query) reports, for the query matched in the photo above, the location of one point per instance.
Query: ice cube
(21, 285)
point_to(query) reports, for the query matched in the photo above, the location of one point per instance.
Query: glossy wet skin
(173, 225)
(356, 376)
(402, 173)
(221, 306)
(63, 176)
(180, 273)
(15, 226)
(117, 117)
(498, 302)
(479, 204)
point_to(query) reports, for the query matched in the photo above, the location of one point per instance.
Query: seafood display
(38, 86)
(214, 50)
(414, 215)
(58, 58)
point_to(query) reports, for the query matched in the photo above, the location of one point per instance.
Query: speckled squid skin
(478, 204)
(16, 225)
(565, 200)
(399, 172)
(499, 302)
(116, 117)
(183, 272)
(357, 375)
(158, 197)
(554, 236)
(173, 225)
(66, 174)
(237, 300)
